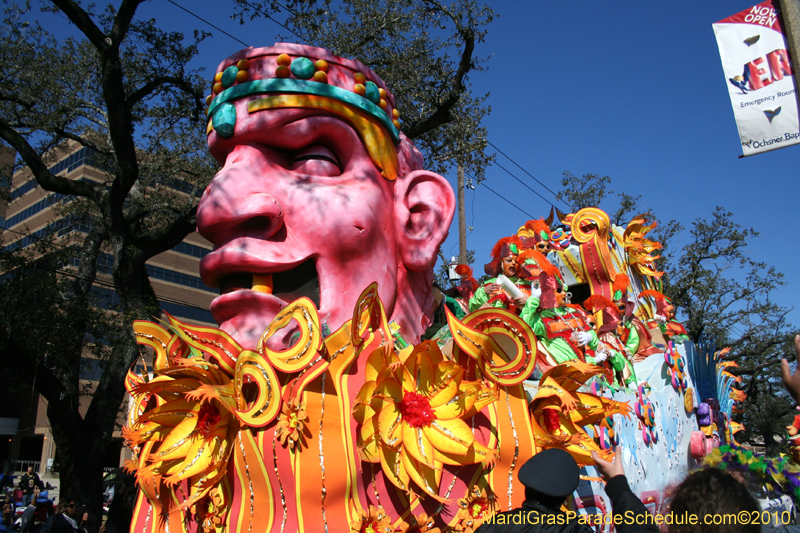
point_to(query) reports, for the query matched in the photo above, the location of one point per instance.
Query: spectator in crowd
(49, 525)
(708, 493)
(8, 515)
(120, 513)
(27, 483)
(549, 478)
(85, 525)
(67, 520)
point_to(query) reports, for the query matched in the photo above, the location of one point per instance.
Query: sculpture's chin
(246, 314)
(244, 310)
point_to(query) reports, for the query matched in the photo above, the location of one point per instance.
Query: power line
(207, 22)
(525, 171)
(495, 192)
(272, 19)
(507, 200)
(523, 183)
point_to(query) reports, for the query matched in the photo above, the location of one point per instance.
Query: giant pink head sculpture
(319, 194)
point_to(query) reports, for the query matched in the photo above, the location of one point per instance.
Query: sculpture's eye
(316, 160)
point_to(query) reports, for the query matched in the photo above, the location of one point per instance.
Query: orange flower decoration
(210, 511)
(291, 423)
(373, 520)
(473, 509)
(412, 416)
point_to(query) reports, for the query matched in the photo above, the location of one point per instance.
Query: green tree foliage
(590, 190)
(125, 91)
(423, 49)
(722, 295)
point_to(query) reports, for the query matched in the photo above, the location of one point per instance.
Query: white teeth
(262, 283)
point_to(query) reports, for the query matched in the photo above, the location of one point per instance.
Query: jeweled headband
(298, 76)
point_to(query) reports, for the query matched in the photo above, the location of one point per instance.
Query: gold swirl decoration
(590, 222)
(476, 337)
(305, 349)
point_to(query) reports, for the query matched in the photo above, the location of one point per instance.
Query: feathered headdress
(597, 302)
(504, 247)
(467, 277)
(661, 301)
(533, 231)
(534, 258)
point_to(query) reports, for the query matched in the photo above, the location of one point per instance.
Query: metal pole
(462, 217)
(789, 12)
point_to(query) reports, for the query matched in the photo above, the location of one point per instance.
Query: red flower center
(551, 421)
(416, 410)
(207, 418)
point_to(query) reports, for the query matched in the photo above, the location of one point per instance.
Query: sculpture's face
(509, 265)
(298, 198)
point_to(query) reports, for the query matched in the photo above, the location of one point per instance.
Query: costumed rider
(464, 291)
(631, 330)
(562, 330)
(664, 318)
(503, 263)
(612, 349)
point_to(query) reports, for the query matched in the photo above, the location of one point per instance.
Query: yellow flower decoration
(187, 430)
(184, 421)
(210, 511)
(412, 416)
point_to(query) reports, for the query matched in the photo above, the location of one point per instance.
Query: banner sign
(758, 73)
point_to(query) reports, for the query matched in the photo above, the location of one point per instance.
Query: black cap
(551, 472)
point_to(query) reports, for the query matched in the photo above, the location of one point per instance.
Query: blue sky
(630, 90)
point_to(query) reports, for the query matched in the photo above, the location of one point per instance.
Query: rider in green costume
(504, 261)
(563, 330)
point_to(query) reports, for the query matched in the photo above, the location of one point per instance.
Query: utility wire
(525, 171)
(522, 182)
(207, 22)
(272, 19)
(507, 200)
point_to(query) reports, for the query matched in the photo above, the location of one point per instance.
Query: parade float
(316, 407)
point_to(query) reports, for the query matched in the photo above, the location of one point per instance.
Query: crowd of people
(33, 512)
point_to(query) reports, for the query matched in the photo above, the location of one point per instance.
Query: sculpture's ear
(424, 204)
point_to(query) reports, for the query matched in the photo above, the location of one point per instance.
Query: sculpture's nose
(227, 210)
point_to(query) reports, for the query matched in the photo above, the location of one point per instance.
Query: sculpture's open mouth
(288, 285)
